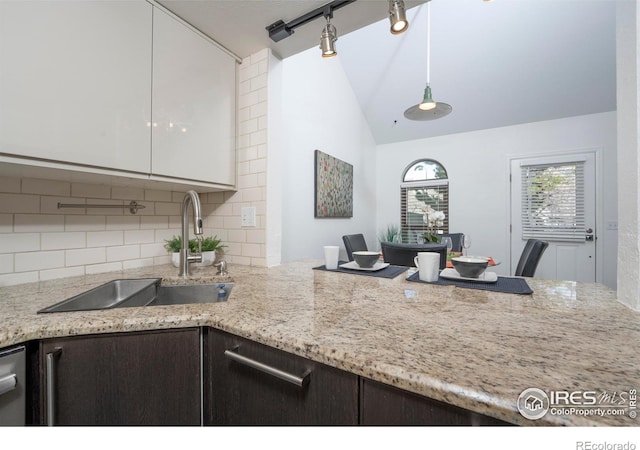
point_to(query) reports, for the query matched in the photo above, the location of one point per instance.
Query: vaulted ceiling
(496, 63)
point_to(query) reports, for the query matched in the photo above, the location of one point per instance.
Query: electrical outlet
(612, 225)
(248, 216)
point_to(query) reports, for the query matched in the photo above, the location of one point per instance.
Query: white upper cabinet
(121, 88)
(75, 82)
(194, 105)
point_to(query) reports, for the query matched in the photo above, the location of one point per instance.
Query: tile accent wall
(248, 244)
(39, 242)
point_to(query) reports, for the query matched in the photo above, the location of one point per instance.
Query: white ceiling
(497, 64)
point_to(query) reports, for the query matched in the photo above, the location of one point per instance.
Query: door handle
(589, 235)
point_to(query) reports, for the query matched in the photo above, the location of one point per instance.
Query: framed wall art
(333, 187)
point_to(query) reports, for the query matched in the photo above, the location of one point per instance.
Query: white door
(554, 199)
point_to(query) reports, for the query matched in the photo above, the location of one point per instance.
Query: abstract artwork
(334, 186)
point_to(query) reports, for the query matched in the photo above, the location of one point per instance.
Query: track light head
(397, 17)
(327, 40)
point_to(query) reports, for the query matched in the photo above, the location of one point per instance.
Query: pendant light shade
(428, 109)
(398, 17)
(327, 40)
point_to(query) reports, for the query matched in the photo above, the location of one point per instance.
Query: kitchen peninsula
(473, 349)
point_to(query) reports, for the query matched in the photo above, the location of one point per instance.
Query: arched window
(424, 200)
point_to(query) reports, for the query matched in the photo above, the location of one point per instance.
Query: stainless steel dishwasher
(13, 386)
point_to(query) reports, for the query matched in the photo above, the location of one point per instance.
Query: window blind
(553, 202)
(413, 199)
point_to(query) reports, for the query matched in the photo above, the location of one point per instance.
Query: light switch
(248, 216)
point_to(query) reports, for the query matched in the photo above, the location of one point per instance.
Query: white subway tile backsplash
(25, 262)
(11, 279)
(9, 184)
(83, 257)
(6, 223)
(19, 203)
(45, 187)
(90, 190)
(259, 137)
(127, 193)
(167, 209)
(102, 268)
(157, 196)
(153, 250)
(139, 236)
(123, 252)
(37, 223)
(63, 272)
(259, 81)
(85, 223)
(137, 263)
(105, 238)
(63, 240)
(6, 263)
(123, 223)
(19, 242)
(154, 222)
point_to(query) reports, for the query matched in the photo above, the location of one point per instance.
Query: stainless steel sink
(142, 292)
(114, 294)
(192, 293)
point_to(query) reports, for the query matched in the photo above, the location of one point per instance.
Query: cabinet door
(237, 394)
(75, 82)
(150, 378)
(386, 405)
(194, 92)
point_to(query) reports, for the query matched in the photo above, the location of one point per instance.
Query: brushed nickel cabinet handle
(8, 383)
(290, 378)
(50, 368)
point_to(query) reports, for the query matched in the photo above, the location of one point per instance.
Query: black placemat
(388, 272)
(504, 284)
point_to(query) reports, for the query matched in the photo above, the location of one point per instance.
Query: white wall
(320, 112)
(477, 164)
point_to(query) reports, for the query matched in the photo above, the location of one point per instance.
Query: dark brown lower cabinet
(142, 378)
(247, 383)
(386, 405)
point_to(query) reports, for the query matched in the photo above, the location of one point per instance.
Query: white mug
(428, 264)
(331, 256)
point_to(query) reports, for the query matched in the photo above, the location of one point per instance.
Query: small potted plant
(209, 247)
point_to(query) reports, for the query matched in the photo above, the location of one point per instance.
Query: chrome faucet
(185, 258)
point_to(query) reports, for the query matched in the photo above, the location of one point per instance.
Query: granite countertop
(474, 349)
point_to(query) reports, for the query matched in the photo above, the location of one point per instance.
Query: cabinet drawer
(264, 386)
(386, 405)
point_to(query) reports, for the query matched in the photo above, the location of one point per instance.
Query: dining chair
(456, 240)
(354, 243)
(530, 257)
(403, 254)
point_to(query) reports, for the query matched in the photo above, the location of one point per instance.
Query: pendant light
(428, 109)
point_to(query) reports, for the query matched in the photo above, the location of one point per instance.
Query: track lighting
(397, 17)
(327, 40)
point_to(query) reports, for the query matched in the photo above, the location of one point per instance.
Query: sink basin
(142, 292)
(192, 293)
(114, 294)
